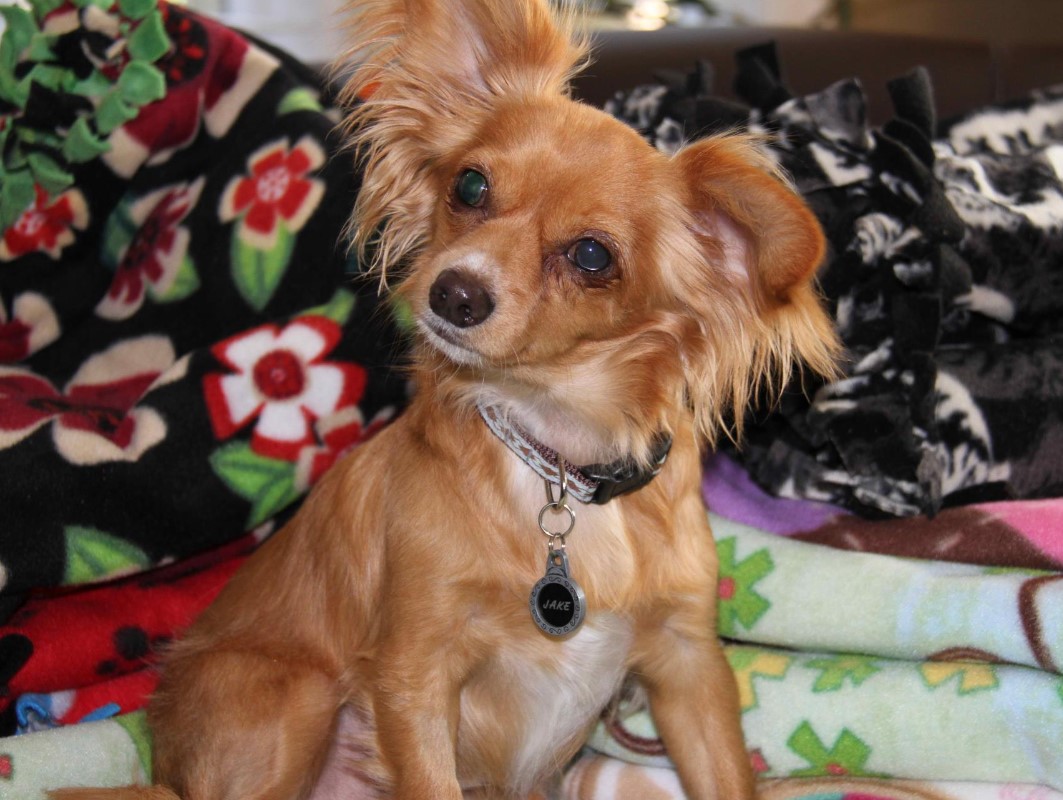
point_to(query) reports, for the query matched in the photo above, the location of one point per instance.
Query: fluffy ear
(752, 292)
(427, 74)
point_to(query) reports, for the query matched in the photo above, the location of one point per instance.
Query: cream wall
(308, 29)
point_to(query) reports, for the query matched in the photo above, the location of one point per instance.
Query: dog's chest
(553, 696)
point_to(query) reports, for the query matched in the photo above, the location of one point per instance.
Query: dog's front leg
(694, 702)
(416, 706)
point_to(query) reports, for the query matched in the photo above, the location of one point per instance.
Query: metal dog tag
(557, 602)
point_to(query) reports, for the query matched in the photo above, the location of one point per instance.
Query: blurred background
(309, 28)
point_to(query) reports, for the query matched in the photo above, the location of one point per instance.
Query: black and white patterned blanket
(945, 276)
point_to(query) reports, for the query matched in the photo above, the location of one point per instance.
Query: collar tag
(557, 602)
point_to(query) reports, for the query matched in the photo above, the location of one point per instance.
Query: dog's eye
(471, 188)
(590, 255)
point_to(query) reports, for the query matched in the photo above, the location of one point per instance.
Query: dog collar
(594, 483)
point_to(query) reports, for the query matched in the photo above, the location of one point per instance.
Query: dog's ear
(427, 75)
(755, 310)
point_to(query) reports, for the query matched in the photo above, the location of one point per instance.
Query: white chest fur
(559, 696)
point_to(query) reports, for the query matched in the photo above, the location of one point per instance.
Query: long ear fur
(428, 74)
(757, 240)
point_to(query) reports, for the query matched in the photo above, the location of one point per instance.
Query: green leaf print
(403, 315)
(301, 99)
(257, 273)
(338, 308)
(185, 283)
(92, 555)
(268, 484)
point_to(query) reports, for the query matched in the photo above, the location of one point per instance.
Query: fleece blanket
(943, 275)
(115, 751)
(851, 661)
(855, 662)
(598, 778)
(932, 671)
(185, 345)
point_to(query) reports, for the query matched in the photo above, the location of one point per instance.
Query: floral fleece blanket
(185, 348)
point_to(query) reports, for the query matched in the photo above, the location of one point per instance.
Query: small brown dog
(433, 624)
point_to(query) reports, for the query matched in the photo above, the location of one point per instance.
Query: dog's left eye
(590, 255)
(471, 188)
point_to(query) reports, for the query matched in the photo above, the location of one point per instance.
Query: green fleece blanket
(853, 664)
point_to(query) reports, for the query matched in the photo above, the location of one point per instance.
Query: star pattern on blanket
(847, 757)
(969, 677)
(836, 671)
(738, 603)
(750, 663)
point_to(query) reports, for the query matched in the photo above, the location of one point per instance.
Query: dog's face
(545, 237)
(550, 254)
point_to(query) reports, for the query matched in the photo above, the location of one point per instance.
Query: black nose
(460, 299)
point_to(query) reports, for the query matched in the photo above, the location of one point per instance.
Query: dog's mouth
(448, 341)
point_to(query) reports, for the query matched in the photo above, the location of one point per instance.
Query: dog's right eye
(471, 188)
(590, 255)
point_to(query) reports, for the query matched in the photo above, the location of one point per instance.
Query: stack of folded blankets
(185, 347)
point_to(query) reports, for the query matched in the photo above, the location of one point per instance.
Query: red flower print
(280, 380)
(14, 341)
(95, 417)
(7, 769)
(153, 257)
(46, 225)
(27, 401)
(32, 325)
(276, 189)
(337, 435)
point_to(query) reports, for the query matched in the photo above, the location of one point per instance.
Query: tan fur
(384, 636)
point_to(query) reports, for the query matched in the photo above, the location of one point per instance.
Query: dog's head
(552, 259)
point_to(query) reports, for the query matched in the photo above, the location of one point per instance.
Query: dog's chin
(442, 338)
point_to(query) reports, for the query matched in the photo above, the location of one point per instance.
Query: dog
(458, 599)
